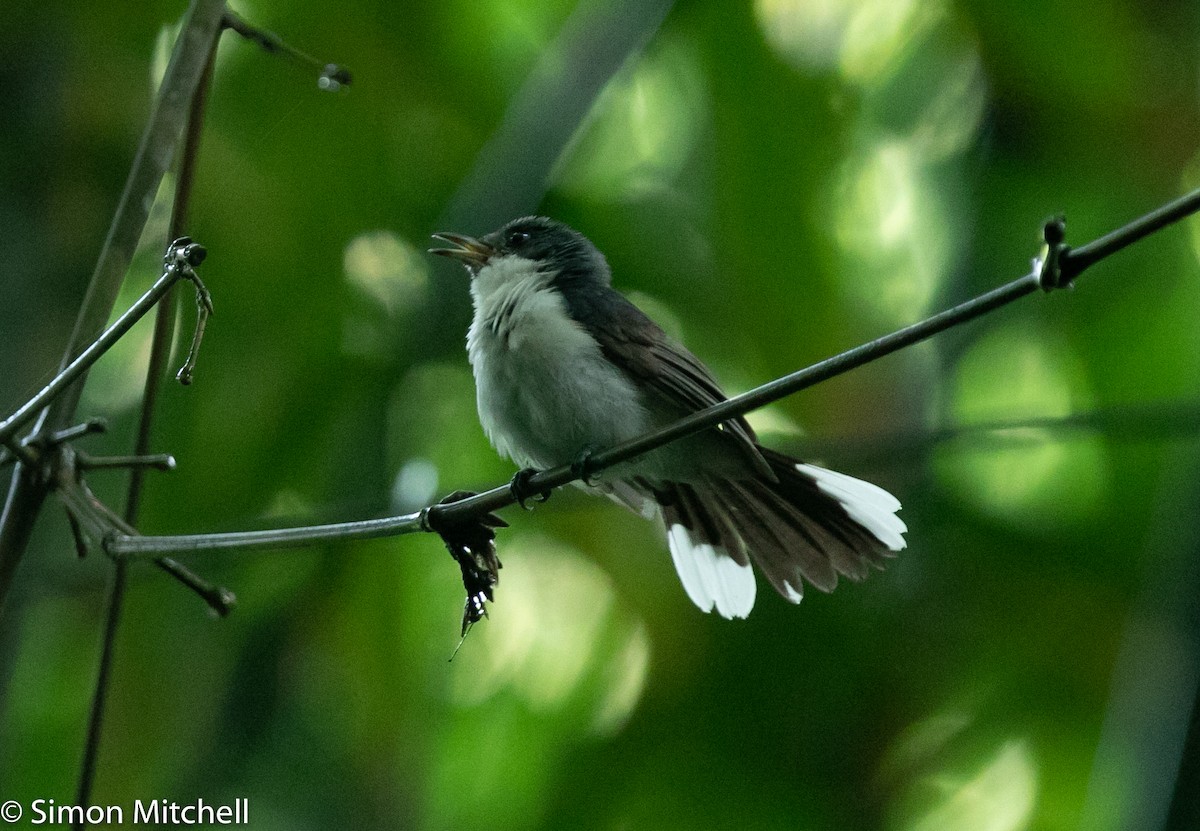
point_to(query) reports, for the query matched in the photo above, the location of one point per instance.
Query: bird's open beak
(471, 252)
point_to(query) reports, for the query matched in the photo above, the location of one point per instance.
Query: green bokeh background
(775, 181)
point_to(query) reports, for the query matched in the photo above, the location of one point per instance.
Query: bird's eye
(516, 239)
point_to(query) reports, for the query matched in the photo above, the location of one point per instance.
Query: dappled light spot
(389, 271)
(771, 420)
(624, 679)
(557, 639)
(998, 794)
(861, 39)
(431, 417)
(1024, 473)
(947, 119)
(920, 96)
(808, 34)
(891, 229)
(922, 743)
(391, 280)
(288, 504)
(1191, 181)
(641, 130)
(415, 485)
(880, 34)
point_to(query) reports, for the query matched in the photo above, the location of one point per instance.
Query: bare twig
(217, 598)
(96, 521)
(1049, 272)
(92, 353)
(1075, 260)
(154, 461)
(331, 77)
(150, 163)
(153, 157)
(178, 264)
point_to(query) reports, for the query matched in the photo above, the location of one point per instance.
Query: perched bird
(564, 365)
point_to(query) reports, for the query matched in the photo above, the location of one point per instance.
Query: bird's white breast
(544, 390)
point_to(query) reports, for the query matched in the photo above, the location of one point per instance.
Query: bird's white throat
(544, 390)
(505, 291)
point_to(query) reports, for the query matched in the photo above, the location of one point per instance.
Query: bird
(565, 365)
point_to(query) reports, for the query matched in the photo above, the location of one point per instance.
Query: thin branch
(76, 368)
(1048, 273)
(332, 76)
(154, 461)
(153, 156)
(95, 520)
(502, 496)
(150, 164)
(181, 257)
(142, 547)
(1075, 260)
(160, 350)
(14, 451)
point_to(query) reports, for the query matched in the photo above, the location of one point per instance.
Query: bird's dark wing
(635, 343)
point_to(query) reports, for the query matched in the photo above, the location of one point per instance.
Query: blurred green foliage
(781, 179)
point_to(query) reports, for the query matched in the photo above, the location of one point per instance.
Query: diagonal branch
(1056, 268)
(332, 76)
(92, 353)
(218, 599)
(150, 163)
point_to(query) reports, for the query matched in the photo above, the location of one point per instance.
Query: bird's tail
(810, 525)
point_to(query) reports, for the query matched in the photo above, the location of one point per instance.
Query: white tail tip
(710, 576)
(869, 505)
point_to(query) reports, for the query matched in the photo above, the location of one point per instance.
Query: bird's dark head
(554, 249)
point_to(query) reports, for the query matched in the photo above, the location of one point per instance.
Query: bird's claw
(581, 467)
(523, 492)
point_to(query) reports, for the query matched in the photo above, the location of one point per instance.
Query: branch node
(425, 520)
(87, 428)
(332, 76)
(14, 450)
(35, 447)
(1050, 264)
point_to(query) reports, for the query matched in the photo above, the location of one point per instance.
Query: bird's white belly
(545, 392)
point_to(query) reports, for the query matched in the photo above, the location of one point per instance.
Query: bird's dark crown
(557, 248)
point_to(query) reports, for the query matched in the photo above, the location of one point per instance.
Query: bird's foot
(581, 467)
(522, 491)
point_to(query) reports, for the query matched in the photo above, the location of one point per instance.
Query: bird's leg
(581, 467)
(522, 491)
